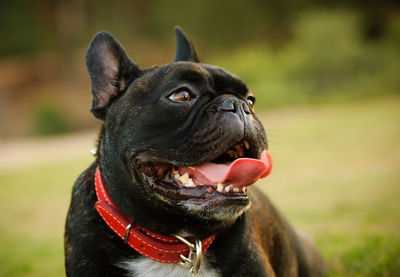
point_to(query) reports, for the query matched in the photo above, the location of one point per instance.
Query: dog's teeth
(177, 176)
(246, 144)
(192, 168)
(190, 184)
(93, 151)
(229, 188)
(220, 187)
(185, 178)
(235, 189)
(244, 189)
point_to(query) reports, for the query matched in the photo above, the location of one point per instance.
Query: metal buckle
(193, 261)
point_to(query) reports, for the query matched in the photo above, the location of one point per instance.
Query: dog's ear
(110, 70)
(184, 47)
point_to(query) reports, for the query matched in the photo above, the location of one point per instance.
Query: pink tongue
(242, 172)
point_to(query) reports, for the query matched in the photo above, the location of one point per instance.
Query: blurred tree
(30, 26)
(21, 31)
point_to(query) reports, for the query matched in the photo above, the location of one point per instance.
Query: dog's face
(176, 138)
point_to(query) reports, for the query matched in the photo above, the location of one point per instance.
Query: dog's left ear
(110, 70)
(184, 47)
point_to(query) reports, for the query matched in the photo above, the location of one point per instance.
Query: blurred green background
(326, 77)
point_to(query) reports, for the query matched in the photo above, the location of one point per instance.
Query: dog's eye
(251, 100)
(180, 96)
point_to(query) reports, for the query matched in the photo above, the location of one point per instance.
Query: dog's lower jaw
(218, 213)
(202, 218)
(213, 209)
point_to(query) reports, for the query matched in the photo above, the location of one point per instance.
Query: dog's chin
(179, 189)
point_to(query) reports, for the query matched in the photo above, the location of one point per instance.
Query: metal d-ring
(195, 270)
(193, 261)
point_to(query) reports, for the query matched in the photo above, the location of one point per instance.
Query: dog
(170, 193)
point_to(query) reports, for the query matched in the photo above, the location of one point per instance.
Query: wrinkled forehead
(201, 74)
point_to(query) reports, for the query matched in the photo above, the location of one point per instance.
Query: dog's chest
(142, 266)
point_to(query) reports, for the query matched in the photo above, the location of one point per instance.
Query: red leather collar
(160, 248)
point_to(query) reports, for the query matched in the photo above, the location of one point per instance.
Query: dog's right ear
(184, 47)
(111, 72)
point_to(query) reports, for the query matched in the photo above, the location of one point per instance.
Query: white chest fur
(145, 267)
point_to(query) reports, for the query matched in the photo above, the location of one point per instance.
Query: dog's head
(180, 142)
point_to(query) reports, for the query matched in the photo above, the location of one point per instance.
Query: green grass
(34, 202)
(336, 178)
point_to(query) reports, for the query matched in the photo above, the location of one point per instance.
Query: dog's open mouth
(228, 175)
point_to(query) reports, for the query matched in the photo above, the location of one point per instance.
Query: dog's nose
(227, 105)
(246, 108)
(231, 104)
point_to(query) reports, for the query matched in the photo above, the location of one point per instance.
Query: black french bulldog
(179, 146)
